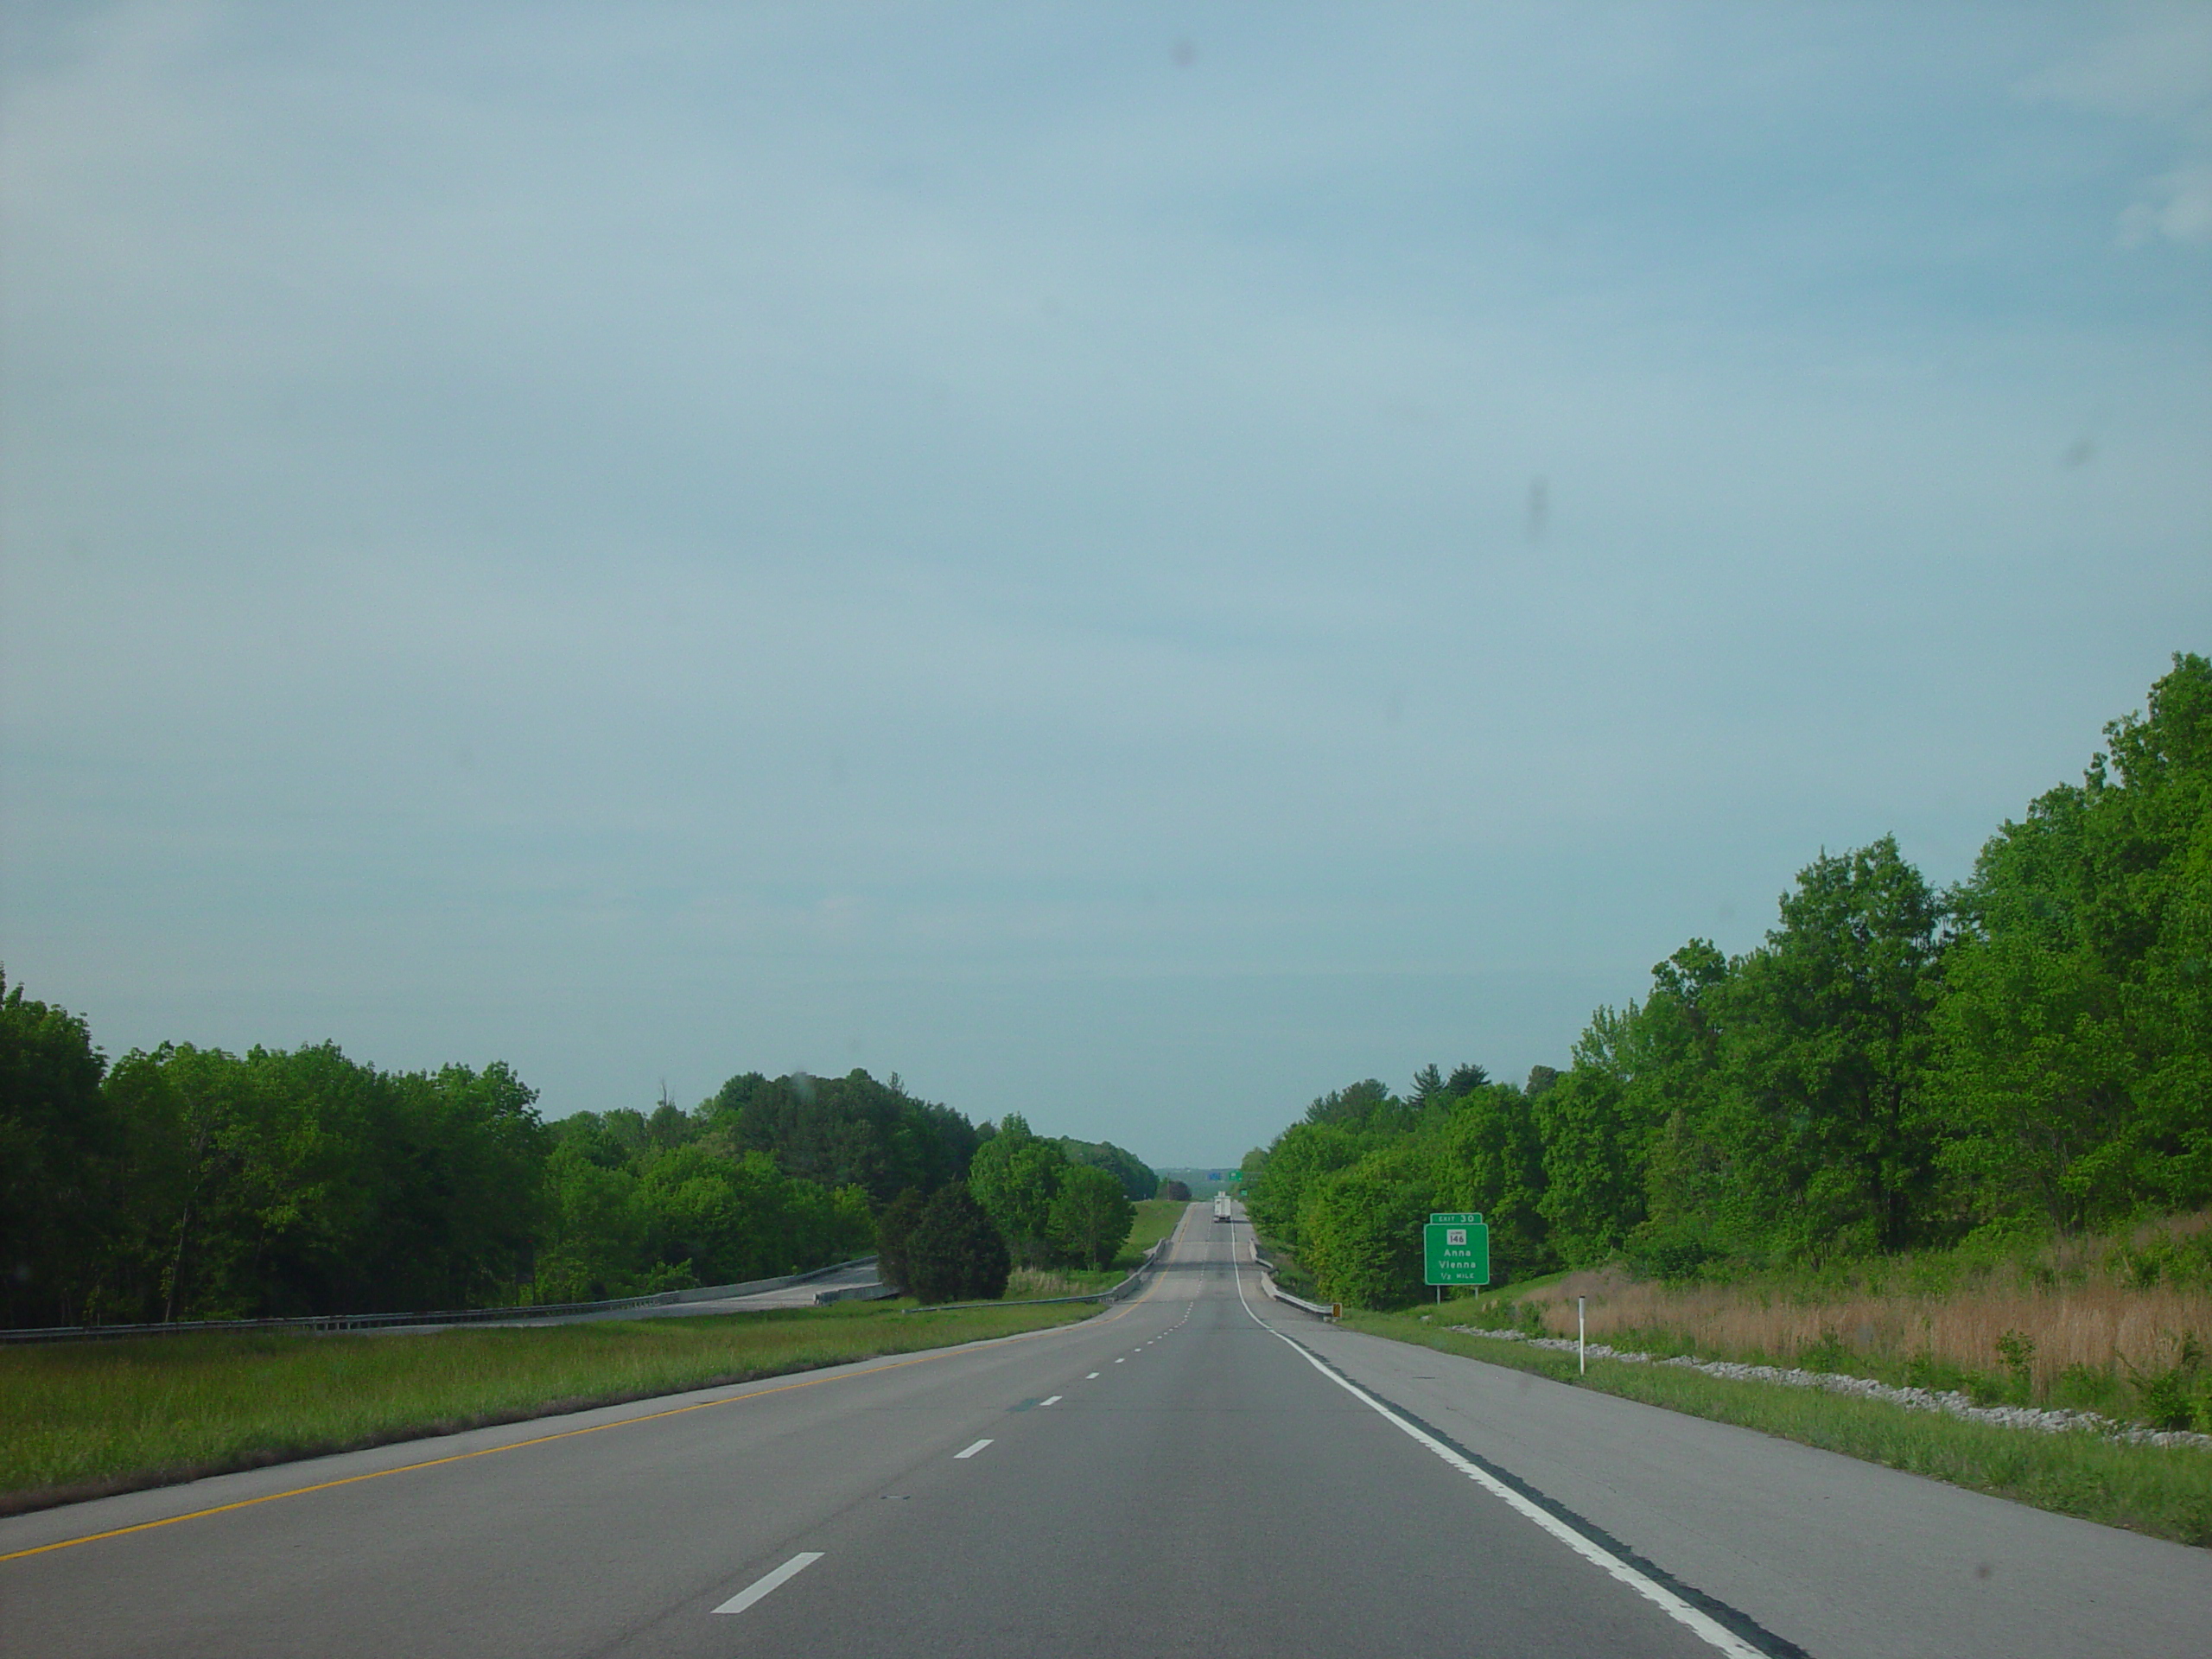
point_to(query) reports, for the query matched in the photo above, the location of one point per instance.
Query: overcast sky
(1128, 563)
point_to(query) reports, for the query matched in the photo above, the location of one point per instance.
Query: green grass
(1156, 1218)
(80, 1419)
(2164, 1491)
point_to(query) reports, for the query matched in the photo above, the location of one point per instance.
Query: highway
(1198, 1471)
(806, 1292)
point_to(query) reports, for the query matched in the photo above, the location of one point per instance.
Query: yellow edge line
(542, 1440)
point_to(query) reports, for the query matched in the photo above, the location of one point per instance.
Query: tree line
(2026, 1053)
(184, 1182)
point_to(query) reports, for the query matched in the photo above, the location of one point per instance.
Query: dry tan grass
(2087, 1316)
(2093, 1325)
(1029, 1284)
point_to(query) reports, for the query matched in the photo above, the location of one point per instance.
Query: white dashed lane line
(1092, 1376)
(1054, 1401)
(971, 1451)
(783, 1574)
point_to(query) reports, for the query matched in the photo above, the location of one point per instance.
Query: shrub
(893, 1228)
(2175, 1397)
(955, 1253)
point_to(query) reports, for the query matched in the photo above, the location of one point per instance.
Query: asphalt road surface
(1199, 1471)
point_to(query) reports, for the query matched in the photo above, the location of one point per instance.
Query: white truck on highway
(1223, 1209)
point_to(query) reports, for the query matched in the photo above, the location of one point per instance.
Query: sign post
(1455, 1250)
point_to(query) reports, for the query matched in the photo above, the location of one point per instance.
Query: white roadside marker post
(1581, 1340)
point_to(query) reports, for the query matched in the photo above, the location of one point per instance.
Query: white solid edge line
(971, 1451)
(1703, 1624)
(760, 1586)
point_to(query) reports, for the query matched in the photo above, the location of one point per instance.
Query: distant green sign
(1455, 1250)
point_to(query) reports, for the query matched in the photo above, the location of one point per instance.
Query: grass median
(1156, 1218)
(84, 1419)
(2164, 1490)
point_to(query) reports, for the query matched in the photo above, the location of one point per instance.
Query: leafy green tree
(59, 1142)
(1136, 1177)
(669, 1126)
(630, 1130)
(593, 1244)
(275, 1210)
(1361, 1229)
(1299, 1158)
(954, 1252)
(1595, 1152)
(1366, 1107)
(1489, 1158)
(2075, 1032)
(1175, 1192)
(1632, 1158)
(1825, 1119)
(593, 1138)
(1090, 1217)
(1015, 1176)
(459, 1156)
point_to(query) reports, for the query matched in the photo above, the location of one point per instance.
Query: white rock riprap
(1943, 1400)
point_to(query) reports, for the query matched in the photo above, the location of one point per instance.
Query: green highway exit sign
(1455, 1250)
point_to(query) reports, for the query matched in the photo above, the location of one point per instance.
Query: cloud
(2178, 207)
(2156, 73)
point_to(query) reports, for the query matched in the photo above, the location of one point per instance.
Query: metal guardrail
(317, 1323)
(1326, 1310)
(855, 1293)
(1150, 1260)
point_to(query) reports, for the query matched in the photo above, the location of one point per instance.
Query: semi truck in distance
(1223, 1209)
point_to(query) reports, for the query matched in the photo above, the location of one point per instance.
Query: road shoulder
(1834, 1554)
